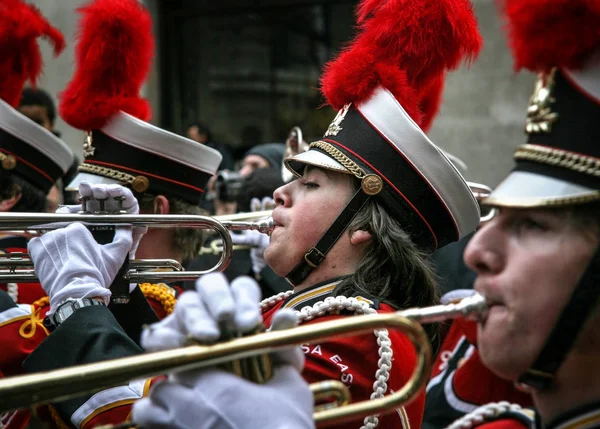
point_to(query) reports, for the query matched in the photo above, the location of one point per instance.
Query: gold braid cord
(107, 172)
(42, 302)
(29, 326)
(559, 158)
(339, 156)
(161, 293)
(56, 418)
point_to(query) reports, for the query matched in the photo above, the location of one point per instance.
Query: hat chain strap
(334, 305)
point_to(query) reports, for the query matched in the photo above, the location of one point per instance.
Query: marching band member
(538, 260)
(534, 261)
(166, 172)
(32, 158)
(372, 198)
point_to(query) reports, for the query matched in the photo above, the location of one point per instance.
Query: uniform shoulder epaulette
(161, 292)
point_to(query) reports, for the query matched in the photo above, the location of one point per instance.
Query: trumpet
(44, 222)
(40, 388)
(294, 144)
(480, 192)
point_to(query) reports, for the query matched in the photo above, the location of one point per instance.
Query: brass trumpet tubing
(35, 221)
(327, 389)
(480, 192)
(145, 264)
(472, 307)
(168, 277)
(244, 217)
(44, 222)
(216, 247)
(28, 275)
(40, 388)
(264, 226)
(135, 264)
(44, 387)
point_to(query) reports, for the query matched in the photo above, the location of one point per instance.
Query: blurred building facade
(249, 70)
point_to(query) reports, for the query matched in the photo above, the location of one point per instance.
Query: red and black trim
(418, 208)
(165, 176)
(28, 162)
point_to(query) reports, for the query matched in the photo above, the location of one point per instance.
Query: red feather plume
(21, 25)
(405, 46)
(552, 33)
(113, 56)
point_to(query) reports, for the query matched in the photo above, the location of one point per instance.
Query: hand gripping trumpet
(40, 388)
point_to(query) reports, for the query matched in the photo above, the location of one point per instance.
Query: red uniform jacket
(354, 360)
(26, 293)
(22, 331)
(460, 383)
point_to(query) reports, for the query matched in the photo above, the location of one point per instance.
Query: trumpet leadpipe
(35, 221)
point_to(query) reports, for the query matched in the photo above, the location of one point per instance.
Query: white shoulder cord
(272, 301)
(484, 413)
(335, 305)
(13, 291)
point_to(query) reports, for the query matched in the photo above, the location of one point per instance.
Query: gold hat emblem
(371, 184)
(334, 128)
(140, 184)
(540, 116)
(9, 162)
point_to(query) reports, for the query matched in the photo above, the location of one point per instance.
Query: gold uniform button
(9, 163)
(140, 184)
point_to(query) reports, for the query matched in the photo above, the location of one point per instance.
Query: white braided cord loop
(334, 305)
(272, 301)
(13, 291)
(484, 414)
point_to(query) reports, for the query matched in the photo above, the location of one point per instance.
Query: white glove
(267, 203)
(220, 400)
(201, 314)
(257, 240)
(212, 398)
(108, 193)
(70, 263)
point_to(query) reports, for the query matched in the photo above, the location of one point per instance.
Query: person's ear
(161, 205)
(7, 204)
(360, 236)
